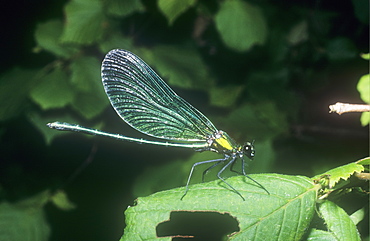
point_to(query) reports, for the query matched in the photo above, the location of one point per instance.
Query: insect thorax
(221, 142)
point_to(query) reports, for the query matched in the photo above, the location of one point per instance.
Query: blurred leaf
(320, 235)
(274, 119)
(61, 201)
(241, 25)
(336, 218)
(91, 99)
(298, 34)
(341, 48)
(244, 120)
(363, 88)
(85, 73)
(361, 9)
(14, 90)
(90, 104)
(283, 215)
(53, 90)
(342, 172)
(172, 9)
(47, 36)
(123, 8)
(365, 118)
(180, 67)
(273, 85)
(85, 21)
(365, 56)
(116, 41)
(262, 120)
(225, 96)
(25, 219)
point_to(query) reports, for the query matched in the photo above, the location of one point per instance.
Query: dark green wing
(143, 100)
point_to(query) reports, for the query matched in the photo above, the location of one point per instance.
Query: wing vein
(145, 102)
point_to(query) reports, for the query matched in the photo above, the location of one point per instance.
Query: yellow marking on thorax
(224, 142)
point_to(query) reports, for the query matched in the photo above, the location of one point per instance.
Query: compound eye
(248, 150)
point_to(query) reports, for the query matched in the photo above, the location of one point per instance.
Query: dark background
(313, 142)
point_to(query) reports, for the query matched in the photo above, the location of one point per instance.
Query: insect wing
(144, 101)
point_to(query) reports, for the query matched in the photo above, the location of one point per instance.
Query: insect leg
(196, 164)
(233, 158)
(232, 168)
(244, 174)
(209, 168)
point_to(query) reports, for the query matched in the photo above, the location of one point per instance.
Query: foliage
(27, 218)
(284, 214)
(260, 70)
(363, 89)
(249, 25)
(278, 211)
(335, 218)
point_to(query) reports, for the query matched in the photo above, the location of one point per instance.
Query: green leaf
(53, 90)
(342, 172)
(364, 161)
(25, 219)
(235, 123)
(86, 74)
(365, 118)
(180, 67)
(363, 88)
(85, 21)
(283, 215)
(123, 8)
(262, 121)
(116, 41)
(14, 90)
(47, 36)
(61, 201)
(365, 56)
(273, 118)
(298, 34)
(241, 25)
(320, 235)
(225, 96)
(90, 104)
(172, 9)
(358, 216)
(338, 222)
(272, 85)
(91, 99)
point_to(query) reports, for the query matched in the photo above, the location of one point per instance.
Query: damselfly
(145, 102)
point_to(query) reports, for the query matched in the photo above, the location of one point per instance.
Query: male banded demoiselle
(145, 102)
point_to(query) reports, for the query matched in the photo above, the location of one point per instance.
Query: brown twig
(341, 108)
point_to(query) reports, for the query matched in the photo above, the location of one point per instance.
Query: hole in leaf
(198, 226)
